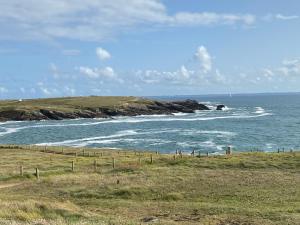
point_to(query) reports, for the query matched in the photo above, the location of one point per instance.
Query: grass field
(68, 103)
(245, 188)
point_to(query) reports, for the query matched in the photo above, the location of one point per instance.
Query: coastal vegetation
(107, 186)
(90, 107)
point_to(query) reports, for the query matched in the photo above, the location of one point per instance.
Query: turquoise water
(266, 122)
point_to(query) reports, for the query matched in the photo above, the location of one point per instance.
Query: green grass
(244, 188)
(69, 103)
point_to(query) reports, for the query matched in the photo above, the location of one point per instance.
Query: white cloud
(204, 58)
(283, 17)
(290, 67)
(184, 72)
(271, 17)
(45, 90)
(96, 20)
(210, 18)
(102, 54)
(95, 73)
(3, 90)
(287, 69)
(184, 76)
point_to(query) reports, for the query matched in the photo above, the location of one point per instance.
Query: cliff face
(130, 108)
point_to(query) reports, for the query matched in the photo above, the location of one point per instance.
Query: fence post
(37, 173)
(21, 171)
(83, 153)
(73, 166)
(151, 158)
(114, 163)
(95, 165)
(228, 151)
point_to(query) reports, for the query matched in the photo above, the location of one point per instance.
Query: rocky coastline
(149, 107)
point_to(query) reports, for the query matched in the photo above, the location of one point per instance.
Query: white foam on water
(270, 145)
(210, 105)
(83, 140)
(11, 122)
(181, 114)
(259, 110)
(226, 108)
(8, 131)
(205, 144)
(211, 144)
(219, 133)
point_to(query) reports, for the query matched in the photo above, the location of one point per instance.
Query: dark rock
(192, 104)
(127, 109)
(220, 107)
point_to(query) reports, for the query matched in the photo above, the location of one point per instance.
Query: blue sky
(52, 48)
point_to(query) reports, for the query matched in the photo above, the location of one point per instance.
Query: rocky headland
(92, 107)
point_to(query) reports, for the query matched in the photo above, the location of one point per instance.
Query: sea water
(249, 122)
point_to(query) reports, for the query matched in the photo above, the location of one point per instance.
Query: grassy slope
(249, 188)
(67, 104)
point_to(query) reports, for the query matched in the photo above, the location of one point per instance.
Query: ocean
(249, 122)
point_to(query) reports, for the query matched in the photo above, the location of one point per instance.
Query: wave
(218, 133)
(205, 144)
(226, 108)
(10, 122)
(66, 142)
(108, 140)
(259, 110)
(180, 114)
(8, 131)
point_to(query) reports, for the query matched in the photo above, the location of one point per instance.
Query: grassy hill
(91, 107)
(245, 188)
(67, 104)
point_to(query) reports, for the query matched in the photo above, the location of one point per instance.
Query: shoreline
(93, 107)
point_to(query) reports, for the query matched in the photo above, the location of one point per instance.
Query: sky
(51, 48)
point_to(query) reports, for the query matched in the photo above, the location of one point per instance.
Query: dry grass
(68, 103)
(248, 188)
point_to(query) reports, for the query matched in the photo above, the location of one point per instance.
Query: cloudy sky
(148, 47)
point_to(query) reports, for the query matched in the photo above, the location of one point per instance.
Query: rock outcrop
(143, 107)
(220, 107)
